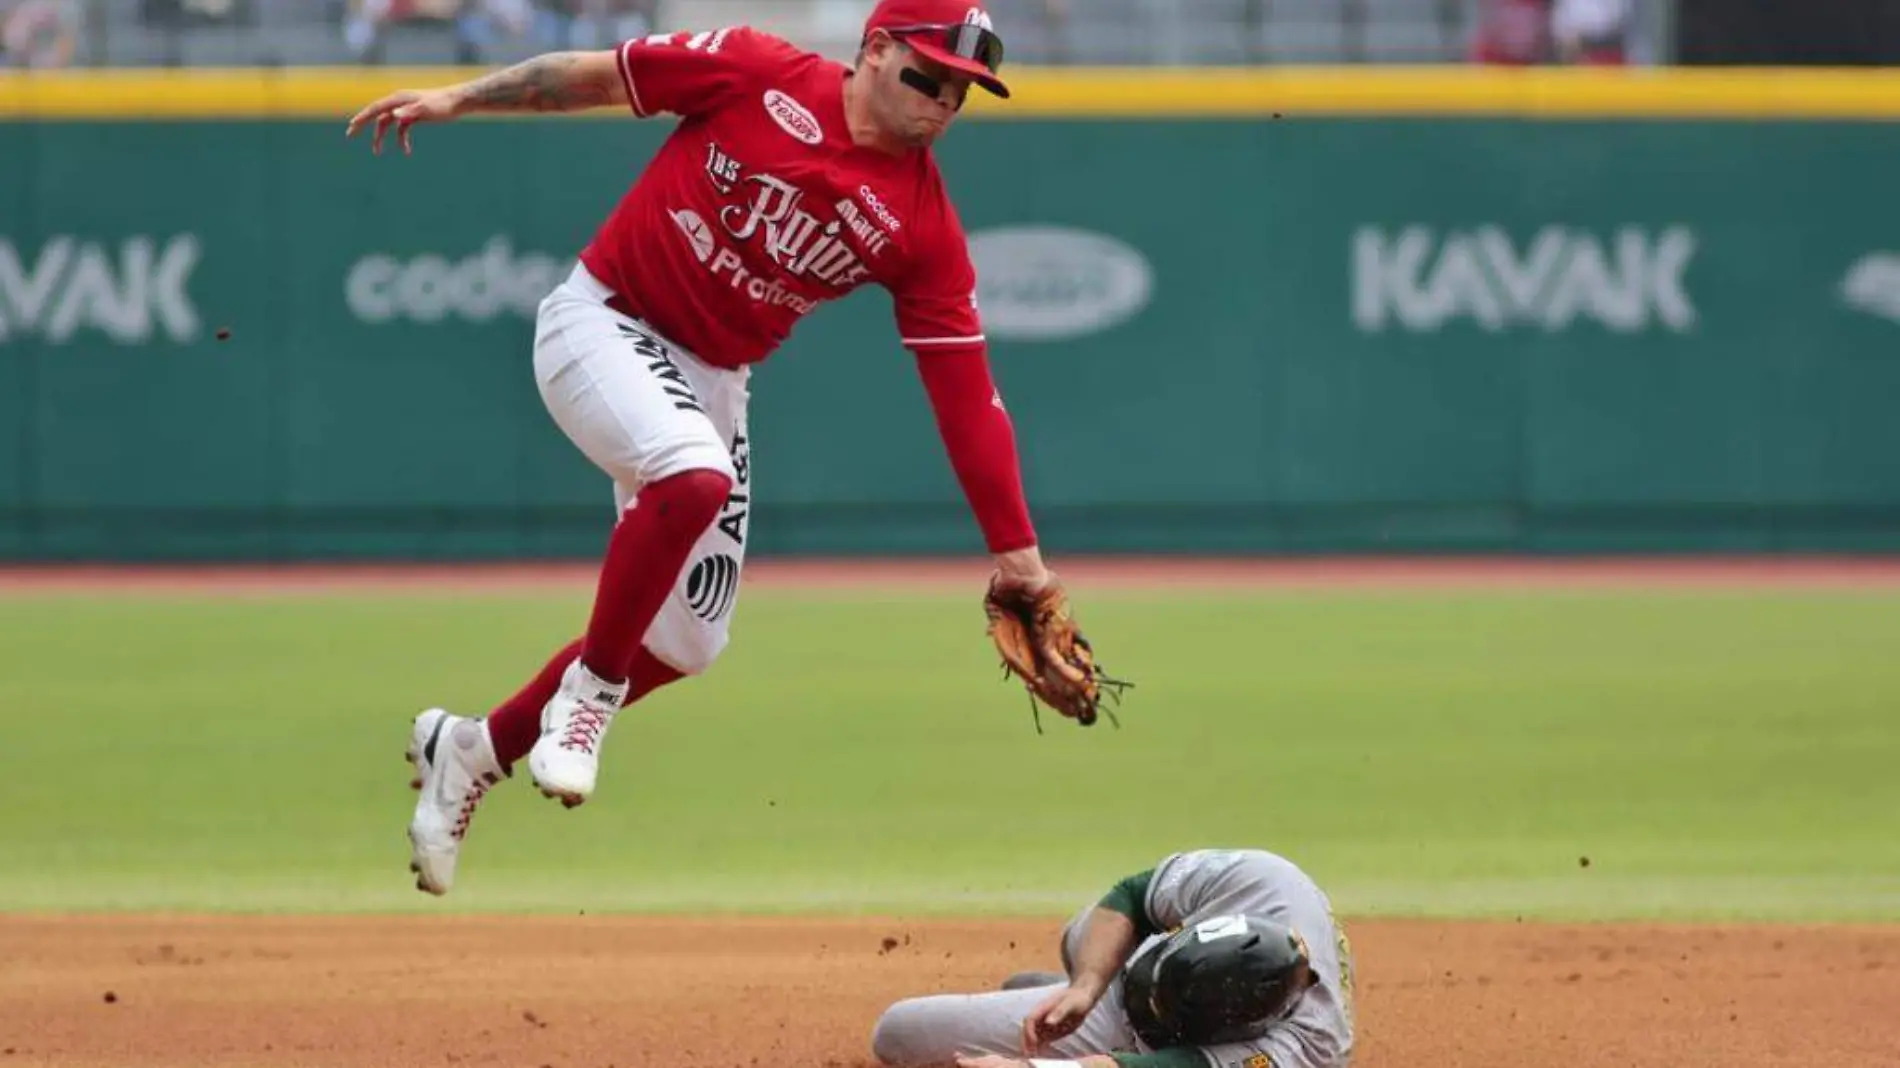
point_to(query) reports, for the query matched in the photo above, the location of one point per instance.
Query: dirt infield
(578, 992)
(620, 992)
(1209, 573)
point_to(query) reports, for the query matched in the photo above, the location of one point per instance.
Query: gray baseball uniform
(1185, 888)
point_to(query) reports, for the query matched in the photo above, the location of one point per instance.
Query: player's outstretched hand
(990, 1061)
(403, 109)
(1057, 1017)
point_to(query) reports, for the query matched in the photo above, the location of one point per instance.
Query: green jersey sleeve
(1185, 1057)
(1130, 898)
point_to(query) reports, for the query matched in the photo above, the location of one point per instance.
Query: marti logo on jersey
(795, 239)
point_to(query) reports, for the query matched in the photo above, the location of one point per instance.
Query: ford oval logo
(1049, 283)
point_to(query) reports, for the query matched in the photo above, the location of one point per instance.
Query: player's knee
(690, 500)
(698, 456)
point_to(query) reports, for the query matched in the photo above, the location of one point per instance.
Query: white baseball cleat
(455, 767)
(565, 760)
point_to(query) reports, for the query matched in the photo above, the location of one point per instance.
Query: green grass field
(1713, 755)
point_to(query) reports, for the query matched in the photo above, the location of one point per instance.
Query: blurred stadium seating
(398, 32)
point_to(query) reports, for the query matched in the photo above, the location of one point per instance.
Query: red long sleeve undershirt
(981, 442)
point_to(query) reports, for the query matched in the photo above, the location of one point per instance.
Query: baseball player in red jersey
(790, 180)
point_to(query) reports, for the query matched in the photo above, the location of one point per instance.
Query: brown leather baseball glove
(1041, 646)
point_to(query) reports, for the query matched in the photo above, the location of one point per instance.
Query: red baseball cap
(955, 33)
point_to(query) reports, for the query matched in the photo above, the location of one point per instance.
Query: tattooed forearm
(559, 81)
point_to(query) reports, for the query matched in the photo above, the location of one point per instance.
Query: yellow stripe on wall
(1548, 93)
(1143, 92)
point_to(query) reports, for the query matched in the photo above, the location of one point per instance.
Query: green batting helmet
(1225, 979)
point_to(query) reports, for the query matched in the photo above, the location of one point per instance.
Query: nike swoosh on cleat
(428, 751)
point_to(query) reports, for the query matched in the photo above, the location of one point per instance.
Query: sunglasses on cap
(963, 40)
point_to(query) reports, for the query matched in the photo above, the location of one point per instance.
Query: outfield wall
(1365, 310)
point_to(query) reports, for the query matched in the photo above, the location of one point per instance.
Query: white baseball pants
(642, 408)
